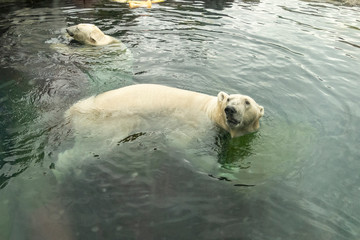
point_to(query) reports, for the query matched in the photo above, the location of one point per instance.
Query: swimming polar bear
(90, 34)
(97, 55)
(235, 113)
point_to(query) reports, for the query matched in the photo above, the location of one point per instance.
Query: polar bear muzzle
(231, 119)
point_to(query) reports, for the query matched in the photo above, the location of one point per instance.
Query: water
(296, 178)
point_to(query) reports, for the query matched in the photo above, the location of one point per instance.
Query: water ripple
(298, 60)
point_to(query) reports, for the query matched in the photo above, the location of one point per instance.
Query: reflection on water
(297, 178)
(234, 153)
(338, 2)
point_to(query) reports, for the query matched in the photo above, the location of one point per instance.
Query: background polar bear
(90, 34)
(98, 56)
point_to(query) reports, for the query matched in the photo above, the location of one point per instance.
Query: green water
(296, 178)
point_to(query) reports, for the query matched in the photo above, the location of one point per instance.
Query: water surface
(296, 178)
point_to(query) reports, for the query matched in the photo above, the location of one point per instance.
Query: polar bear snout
(70, 32)
(231, 116)
(230, 110)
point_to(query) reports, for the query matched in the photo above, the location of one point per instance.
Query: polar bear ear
(95, 36)
(221, 96)
(261, 108)
(92, 40)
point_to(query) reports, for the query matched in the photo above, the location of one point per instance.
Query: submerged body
(237, 114)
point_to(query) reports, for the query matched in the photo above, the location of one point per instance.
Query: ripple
(298, 60)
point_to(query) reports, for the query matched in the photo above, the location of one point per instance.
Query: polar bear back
(152, 98)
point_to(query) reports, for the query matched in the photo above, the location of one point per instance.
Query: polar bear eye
(247, 102)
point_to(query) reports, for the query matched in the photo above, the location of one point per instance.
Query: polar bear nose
(230, 110)
(69, 32)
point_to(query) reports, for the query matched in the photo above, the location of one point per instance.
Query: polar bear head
(239, 114)
(89, 34)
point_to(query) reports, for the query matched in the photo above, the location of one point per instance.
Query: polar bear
(90, 34)
(235, 113)
(98, 63)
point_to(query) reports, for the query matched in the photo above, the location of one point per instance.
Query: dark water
(299, 59)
